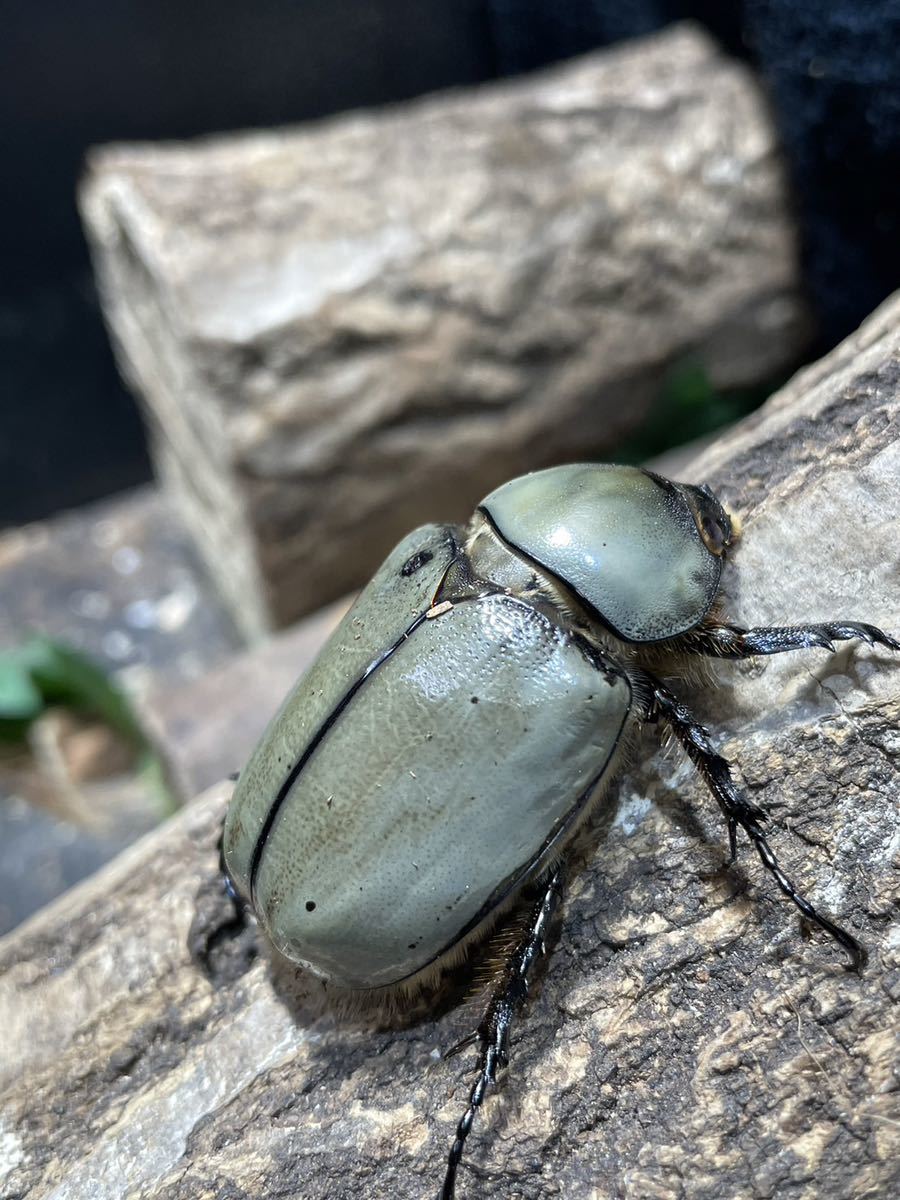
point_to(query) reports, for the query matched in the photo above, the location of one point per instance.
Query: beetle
(433, 767)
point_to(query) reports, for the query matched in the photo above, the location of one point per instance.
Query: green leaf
(64, 676)
(688, 389)
(152, 771)
(20, 700)
(42, 671)
(688, 407)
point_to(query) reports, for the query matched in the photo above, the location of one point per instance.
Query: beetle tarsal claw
(732, 841)
(469, 1040)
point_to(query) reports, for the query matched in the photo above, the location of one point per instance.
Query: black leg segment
(731, 641)
(508, 995)
(716, 773)
(236, 899)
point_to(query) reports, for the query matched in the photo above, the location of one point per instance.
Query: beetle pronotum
(466, 717)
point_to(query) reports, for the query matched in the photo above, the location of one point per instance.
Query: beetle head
(641, 553)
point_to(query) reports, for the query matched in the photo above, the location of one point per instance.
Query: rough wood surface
(343, 329)
(686, 1042)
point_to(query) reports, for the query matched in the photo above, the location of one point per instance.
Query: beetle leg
(238, 903)
(716, 773)
(731, 641)
(221, 940)
(507, 997)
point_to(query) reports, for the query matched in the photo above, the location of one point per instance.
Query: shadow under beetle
(465, 718)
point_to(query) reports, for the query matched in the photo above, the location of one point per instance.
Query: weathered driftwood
(686, 1041)
(342, 329)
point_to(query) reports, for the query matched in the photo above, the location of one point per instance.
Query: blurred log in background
(342, 331)
(832, 74)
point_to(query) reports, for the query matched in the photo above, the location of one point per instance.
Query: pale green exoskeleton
(431, 769)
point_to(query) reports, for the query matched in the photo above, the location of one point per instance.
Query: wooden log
(686, 1041)
(341, 329)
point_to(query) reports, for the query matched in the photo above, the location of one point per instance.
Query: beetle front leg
(508, 995)
(221, 940)
(731, 641)
(716, 772)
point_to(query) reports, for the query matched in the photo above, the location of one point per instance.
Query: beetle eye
(714, 535)
(713, 522)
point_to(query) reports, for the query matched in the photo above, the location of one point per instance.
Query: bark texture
(343, 329)
(687, 1042)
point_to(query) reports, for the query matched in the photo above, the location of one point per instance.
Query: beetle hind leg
(731, 641)
(716, 773)
(507, 996)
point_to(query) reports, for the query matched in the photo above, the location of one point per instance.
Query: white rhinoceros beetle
(430, 770)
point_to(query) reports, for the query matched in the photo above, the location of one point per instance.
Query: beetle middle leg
(732, 641)
(507, 996)
(716, 773)
(222, 941)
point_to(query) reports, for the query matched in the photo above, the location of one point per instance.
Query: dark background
(78, 72)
